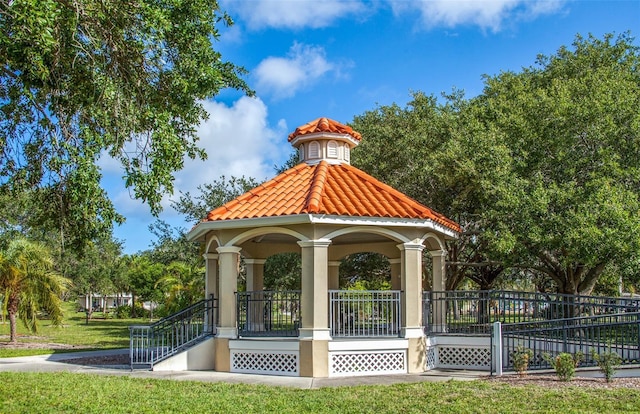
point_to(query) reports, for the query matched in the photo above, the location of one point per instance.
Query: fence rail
(364, 313)
(149, 344)
(473, 312)
(619, 333)
(268, 313)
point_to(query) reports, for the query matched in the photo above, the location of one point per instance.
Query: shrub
(124, 311)
(607, 362)
(565, 364)
(521, 359)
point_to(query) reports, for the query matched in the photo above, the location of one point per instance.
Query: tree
(143, 276)
(95, 269)
(211, 196)
(30, 285)
(442, 156)
(570, 205)
(182, 284)
(80, 80)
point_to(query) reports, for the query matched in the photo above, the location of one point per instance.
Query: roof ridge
(316, 189)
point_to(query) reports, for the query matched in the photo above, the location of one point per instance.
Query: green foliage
(84, 79)
(211, 196)
(283, 272)
(607, 362)
(182, 285)
(365, 271)
(126, 311)
(570, 202)
(521, 360)
(540, 169)
(30, 285)
(565, 364)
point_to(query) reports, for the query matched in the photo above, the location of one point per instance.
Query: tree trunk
(12, 310)
(13, 337)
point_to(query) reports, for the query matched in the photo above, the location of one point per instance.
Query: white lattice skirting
(264, 362)
(367, 363)
(463, 357)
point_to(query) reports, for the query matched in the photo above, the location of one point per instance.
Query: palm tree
(29, 285)
(183, 285)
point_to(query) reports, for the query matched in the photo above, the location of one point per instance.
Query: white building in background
(100, 302)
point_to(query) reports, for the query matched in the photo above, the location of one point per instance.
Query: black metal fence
(364, 313)
(619, 333)
(268, 313)
(149, 344)
(473, 312)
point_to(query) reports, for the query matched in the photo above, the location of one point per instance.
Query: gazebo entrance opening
(360, 306)
(352, 313)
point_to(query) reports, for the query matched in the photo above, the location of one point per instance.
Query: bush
(124, 311)
(607, 362)
(521, 359)
(565, 364)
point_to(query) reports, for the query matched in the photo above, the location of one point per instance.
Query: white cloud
(293, 14)
(282, 77)
(486, 14)
(238, 141)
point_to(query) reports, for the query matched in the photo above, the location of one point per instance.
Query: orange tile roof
(324, 125)
(340, 190)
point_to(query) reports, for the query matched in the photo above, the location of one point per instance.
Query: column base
(315, 334)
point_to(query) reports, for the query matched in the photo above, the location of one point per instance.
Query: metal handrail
(619, 333)
(473, 312)
(149, 344)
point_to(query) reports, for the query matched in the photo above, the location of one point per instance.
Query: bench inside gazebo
(323, 209)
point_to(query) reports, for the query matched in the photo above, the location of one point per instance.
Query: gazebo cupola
(324, 140)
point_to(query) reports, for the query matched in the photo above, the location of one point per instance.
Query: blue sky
(337, 59)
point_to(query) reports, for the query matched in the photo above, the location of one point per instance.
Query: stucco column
(314, 306)
(411, 283)
(439, 309)
(396, 277)
(254, 269)
(334, 275)
(211, 279)
(228, 284)
(411, 305)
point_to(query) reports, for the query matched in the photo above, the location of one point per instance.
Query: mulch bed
(551, 381)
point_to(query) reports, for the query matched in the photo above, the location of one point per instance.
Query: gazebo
(324, 209)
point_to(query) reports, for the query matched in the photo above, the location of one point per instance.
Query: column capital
(228, 249)
(210, 256)
(438, 253)
(314, 243)
(410, 246)
(255, 261)
(334, 263)
(395, 261)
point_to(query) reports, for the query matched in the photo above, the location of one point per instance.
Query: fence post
(497, 347)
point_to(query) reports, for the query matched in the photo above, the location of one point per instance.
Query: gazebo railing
(364, 313)
(268, 313)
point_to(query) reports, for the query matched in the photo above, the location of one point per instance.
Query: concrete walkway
(51, 363)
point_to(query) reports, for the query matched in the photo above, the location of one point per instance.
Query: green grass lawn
(100, 333)
(73, 393)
